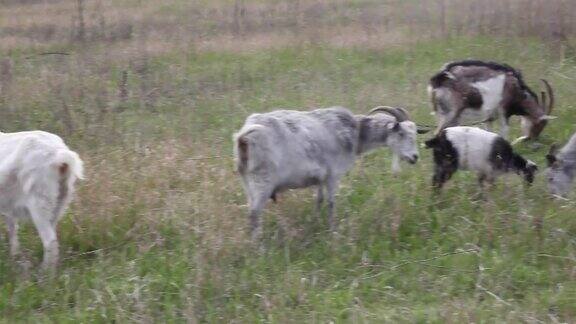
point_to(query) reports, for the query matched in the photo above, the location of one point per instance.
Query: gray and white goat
(474, 149)
(561, 168)
(488, 91)
(289, 149)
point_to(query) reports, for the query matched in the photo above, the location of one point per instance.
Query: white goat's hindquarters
(37, 176)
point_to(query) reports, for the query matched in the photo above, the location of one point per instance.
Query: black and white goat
(561, 168)
(474, 149)
(488, 91)
(288, 149)
(37, 176)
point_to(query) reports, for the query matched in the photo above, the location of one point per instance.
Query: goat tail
(69, 168)
(244, 144)
(69, 164)
(63, 165)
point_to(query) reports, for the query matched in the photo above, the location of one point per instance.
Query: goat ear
(551, 159)
(553, 149)
(421, 130)
(431, 142)
(551, 156)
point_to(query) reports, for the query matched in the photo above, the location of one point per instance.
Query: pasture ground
(157, 232)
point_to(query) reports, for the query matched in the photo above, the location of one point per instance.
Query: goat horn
(550, 96)
(389, 110)
(519, 139)
(406, 115)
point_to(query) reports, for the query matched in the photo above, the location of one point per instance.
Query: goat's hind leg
(331, 187)
(257, 203)
(504, 127)
(441, 175)
(12, 226)
(41, 213)
(439, 179)
(482, 179)
(319, 198)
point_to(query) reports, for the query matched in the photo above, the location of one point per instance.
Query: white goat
(288, 149)
(37, 176)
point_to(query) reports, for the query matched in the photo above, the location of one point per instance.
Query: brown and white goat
(488, 91)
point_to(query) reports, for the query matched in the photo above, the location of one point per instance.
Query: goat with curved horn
(456, 97)
(271, 151)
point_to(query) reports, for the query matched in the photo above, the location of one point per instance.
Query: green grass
(155, 236)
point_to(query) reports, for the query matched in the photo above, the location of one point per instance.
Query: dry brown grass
(250, 25)
(151, 187)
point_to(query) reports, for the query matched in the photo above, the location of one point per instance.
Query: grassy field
(150, 94)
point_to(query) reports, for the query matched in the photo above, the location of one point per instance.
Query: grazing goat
(288, 149)
(474, 149)
(561, 168)
(37, 175)
(488, 91)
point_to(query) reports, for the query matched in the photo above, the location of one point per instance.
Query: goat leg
(331, 186)
(319, 198)
(12, 226)
(47, 232)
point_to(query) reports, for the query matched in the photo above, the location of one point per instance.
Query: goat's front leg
(440, 121)
(331, 187)
(437, 182)
(47, 232)
(440, 177)
(395, 164)
(12, 225)
(504, 127)
(484, 181)
(450, 119)
(319, 198)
